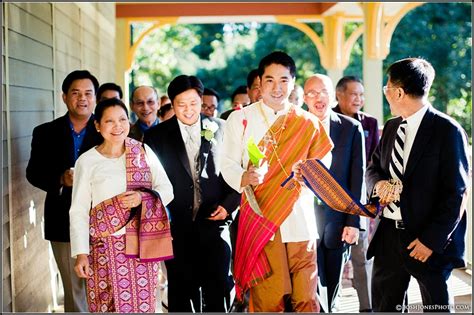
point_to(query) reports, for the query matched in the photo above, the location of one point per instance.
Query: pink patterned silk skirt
(117, 283)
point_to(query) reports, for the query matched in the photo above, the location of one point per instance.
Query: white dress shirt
(413, 124)
(327, 159)
(300, 225)
(98, 178)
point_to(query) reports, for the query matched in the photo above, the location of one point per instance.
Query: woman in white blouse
(119, 228)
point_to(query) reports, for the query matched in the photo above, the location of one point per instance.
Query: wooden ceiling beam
(149, 10)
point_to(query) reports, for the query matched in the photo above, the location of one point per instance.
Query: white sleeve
(160, 180)
(231, 162)
(80, 207)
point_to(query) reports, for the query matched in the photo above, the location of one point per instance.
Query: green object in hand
(255, 154)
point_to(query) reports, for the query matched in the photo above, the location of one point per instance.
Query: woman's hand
(130, 199)
(81, 267)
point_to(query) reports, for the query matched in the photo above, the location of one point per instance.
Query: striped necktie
(396, 161)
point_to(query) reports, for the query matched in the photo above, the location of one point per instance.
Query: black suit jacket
(348, 165)
(166, 141)
(434, 182)
(136, 132)
(52, 154)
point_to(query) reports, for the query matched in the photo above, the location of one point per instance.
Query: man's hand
(81, 267)
(420, 252)
(67, 177)
(252, 176)
(380, 190)
(219, 214)
(350, 235)
(297, 172)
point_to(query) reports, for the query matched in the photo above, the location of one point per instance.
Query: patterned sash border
(322, 183)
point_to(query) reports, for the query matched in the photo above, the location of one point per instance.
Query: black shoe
(368, 310)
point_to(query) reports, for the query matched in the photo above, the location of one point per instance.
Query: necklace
(272, 137)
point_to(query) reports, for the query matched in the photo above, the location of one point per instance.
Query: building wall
(42, 43)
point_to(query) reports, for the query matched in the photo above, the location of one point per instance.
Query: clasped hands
(388, 191)
(130, 199)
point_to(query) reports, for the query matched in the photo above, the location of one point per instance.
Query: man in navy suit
(336, 230)
(188, 145)
(422, 234)
(350, 99)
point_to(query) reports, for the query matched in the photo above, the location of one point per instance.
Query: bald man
(145, 104)
(337, 230)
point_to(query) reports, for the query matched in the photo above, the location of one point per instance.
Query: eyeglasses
(385, 88)
(205, 106)
(313, 93)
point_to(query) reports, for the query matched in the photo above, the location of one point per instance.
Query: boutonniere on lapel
(209, 129)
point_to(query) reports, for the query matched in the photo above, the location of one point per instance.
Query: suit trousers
(330, 263)
(294, 274)
(393, 268)
(198, 275)
(362, 269)
(74, 288)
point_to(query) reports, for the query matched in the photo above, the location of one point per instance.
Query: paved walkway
(460, 285)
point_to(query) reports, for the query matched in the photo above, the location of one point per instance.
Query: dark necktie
(396, 162)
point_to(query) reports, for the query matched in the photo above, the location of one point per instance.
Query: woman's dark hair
(183, 83)
(103, 105)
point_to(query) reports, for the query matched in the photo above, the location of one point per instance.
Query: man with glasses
(337, 230)
(210, 102)
(350, 98)
(145, 104)
(422, 229)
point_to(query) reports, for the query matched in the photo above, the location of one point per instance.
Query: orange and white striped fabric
(300, 139)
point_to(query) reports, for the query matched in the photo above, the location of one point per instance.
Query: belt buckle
(399, 225)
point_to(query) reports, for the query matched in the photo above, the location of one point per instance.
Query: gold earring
(98, 130)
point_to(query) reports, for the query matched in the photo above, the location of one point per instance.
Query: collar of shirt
(414, 120)
(144, 127)
(270, 112)
(413, 123)
(196, 129)
(326, 121)
(78, 138)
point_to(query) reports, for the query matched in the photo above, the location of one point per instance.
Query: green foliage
(460, 109)
(221, 55)
(440, 33)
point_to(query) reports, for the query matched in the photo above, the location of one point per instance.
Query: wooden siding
(43, 43)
